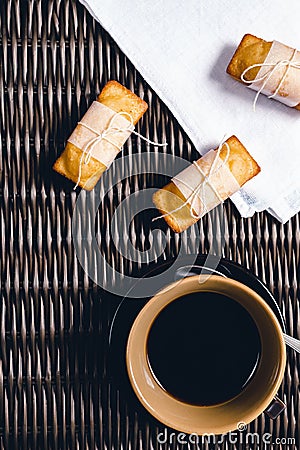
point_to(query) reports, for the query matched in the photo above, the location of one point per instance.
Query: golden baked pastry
(251, 50)
(117, 98)
(239, 162)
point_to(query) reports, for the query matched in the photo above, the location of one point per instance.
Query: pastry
(276, 71)
(119, 109)
(205, 184)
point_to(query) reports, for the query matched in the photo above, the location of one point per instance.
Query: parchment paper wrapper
(220, 185)
(99, 118)
(289, 92)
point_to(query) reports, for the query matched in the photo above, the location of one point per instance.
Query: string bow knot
(273, 67)
(200, 190)
(106, 135)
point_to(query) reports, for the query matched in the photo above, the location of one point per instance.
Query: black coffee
(203, 348)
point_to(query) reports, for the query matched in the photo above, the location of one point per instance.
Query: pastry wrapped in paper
(270, 68)
(205, 184)
(113, 115)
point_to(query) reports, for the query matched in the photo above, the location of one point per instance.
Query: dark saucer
(129, 308)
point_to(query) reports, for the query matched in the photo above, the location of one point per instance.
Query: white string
(266, 77)
(199, 191)
(109, 131)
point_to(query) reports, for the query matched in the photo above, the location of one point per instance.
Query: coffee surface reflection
(203, 348)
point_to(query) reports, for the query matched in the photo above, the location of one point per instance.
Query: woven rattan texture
(54, 391)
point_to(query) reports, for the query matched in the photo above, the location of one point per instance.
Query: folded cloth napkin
(182, 50)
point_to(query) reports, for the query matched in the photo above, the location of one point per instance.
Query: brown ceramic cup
(221, 418)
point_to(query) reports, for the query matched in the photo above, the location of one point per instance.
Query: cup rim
(156, 304)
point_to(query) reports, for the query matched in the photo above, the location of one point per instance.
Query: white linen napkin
(182, 49)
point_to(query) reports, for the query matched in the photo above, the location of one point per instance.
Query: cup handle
(275, 408)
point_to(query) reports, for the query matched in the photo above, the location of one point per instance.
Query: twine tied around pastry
(106, 135)
(288, 63)
(199, 191)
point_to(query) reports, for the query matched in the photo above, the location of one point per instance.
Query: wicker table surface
(55, 391)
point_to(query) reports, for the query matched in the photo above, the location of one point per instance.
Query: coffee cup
(217, 392)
